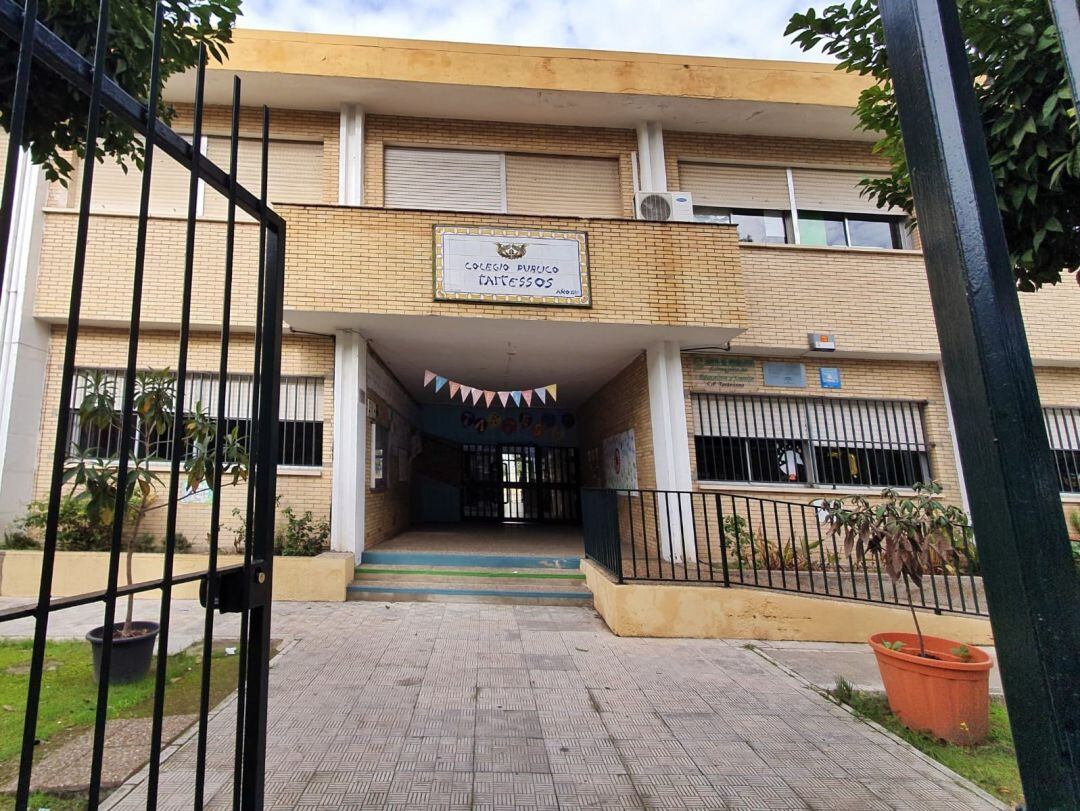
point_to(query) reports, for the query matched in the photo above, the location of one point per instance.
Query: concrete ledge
(322, 578)
(712, 612)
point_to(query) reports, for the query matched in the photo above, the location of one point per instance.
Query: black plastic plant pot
(130, 655)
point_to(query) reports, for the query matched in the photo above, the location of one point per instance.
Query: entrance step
(465, 559)
(463, 583)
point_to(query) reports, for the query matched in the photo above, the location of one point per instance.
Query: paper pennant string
(503, 395)
(542, 394)
(527, 395)
(552, 390)
(428, 377)
(440, 381)
(488, 397)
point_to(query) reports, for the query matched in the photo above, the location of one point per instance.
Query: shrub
(182, 544)
(302, 536)
(145, 542)
(76, 531)
(19, 538)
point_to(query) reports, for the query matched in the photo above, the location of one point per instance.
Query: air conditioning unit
(664, 206)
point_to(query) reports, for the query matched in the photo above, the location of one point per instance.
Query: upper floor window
(295, 176)
(497, 182)
(798, 206)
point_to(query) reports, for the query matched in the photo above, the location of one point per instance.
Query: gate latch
(237, 589)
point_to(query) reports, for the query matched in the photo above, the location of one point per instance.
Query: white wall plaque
(511, 266)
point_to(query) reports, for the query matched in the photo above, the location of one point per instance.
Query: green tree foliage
(56, 116)
(1027, 112)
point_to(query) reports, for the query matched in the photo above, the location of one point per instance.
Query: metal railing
(726, 539)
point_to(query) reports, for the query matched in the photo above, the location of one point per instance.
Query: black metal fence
(243, 588)
(725, 539)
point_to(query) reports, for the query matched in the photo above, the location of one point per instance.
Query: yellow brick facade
(301, 488)
(622, 404)
(375, 260)
(337, 260)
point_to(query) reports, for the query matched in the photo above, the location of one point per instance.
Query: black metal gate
(520, 483)
(244, 588)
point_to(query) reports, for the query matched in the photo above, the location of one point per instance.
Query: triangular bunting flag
(517, 397)
(527, 394)
(440, 381)
(465, 392)
(552, 390)
(428, 377)
(488, 397)
(476, 396)
(454, 389)
(542, 394)
(503, 395)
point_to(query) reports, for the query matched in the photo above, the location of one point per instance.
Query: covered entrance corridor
(468, 421)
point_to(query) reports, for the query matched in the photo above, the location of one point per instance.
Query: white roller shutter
(832, 190)
(295, 169)
(443, 179)
(559, 184)
(730, 186)
(119, 192)
(1063, 428)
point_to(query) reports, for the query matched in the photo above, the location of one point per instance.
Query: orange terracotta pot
(946, 696)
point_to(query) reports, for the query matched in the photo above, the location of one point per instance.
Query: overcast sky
(744, 28)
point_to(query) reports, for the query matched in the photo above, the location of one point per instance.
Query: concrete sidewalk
(821, 662)
(464, 706)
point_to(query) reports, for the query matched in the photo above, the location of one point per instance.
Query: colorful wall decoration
(527, 426)
(620, 461)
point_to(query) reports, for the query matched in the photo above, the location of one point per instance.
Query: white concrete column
(652, 169)
(350, 443)
(24, 345)
(351, 156)
(671, 447)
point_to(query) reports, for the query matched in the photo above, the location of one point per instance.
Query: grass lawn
(990, 765)
(69, 697)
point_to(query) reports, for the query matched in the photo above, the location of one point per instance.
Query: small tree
(900, 533)
(94, 473)
(56, 117)
(1027, 112)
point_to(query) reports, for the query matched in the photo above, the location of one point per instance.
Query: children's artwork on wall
(539, 425)
(620, 461)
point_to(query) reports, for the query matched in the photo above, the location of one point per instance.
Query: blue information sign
(829, 377)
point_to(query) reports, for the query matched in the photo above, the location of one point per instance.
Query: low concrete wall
(713, 612)
(321, 578)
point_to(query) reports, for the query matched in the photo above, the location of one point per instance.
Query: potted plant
(934, 685)
(94, 476)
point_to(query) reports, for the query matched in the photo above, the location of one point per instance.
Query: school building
(516, 272)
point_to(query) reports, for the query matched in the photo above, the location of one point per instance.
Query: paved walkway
(447, 706)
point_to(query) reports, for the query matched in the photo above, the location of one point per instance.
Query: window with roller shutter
(119, 192)
(564, 185)
(295, 171)
(442, 179)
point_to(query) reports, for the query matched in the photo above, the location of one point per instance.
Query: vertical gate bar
(263, 533)
(217, 467)
(127, 423)
(723, 538)
(708, 538)
(60, 447)
(1067, 19)
(16, 122)
(253, 422)
(1031, 588)
(177, 445)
